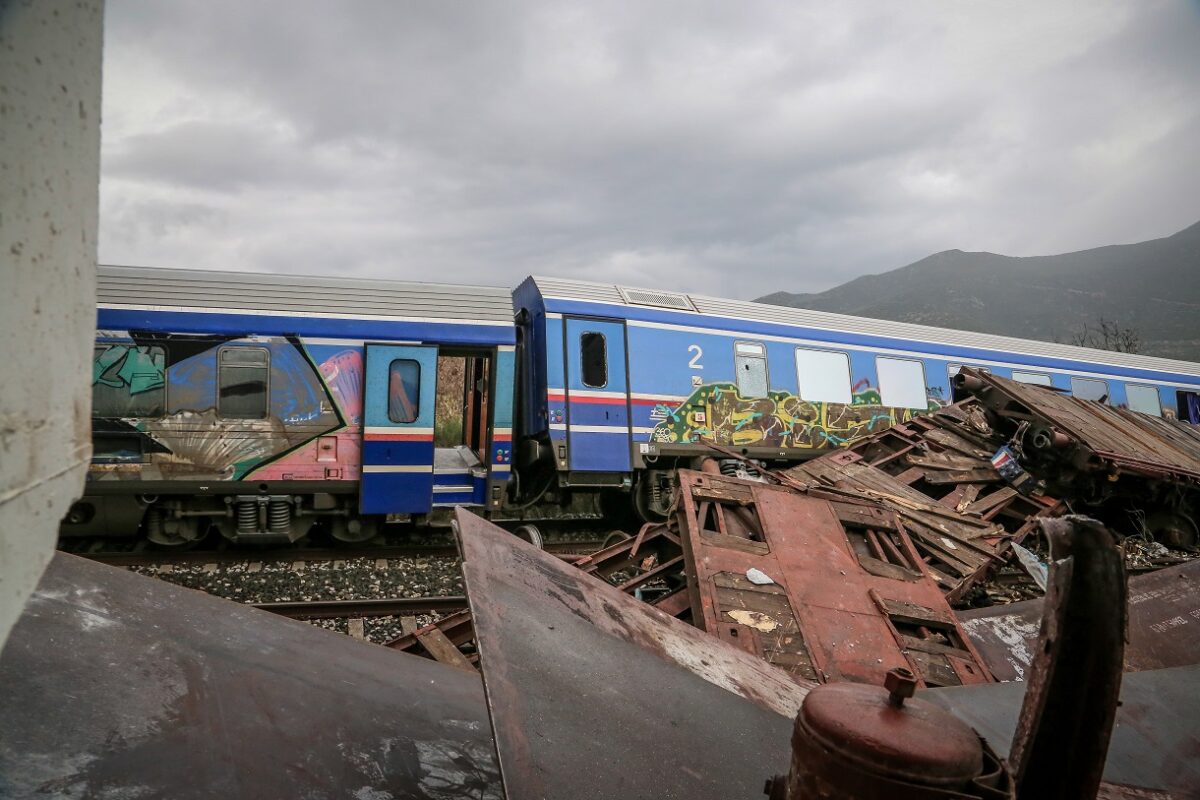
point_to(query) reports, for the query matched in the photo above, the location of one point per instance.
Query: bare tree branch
(1107, 334)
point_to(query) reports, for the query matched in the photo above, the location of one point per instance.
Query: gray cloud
(727, 148)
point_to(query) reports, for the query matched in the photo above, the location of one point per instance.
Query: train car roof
(155, 288)
(670, 307)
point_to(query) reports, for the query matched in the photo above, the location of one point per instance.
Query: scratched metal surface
(594, 694)
(117, 685)
(1164, 625)
(1156, 740)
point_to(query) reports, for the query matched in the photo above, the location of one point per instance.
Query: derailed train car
(619, 386)
(262, 406)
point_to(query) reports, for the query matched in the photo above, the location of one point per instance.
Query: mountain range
(1151, 287)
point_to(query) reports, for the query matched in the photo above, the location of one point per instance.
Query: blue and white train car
(618, 384)
(260, 405)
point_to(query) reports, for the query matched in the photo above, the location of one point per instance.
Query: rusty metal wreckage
(816, 603)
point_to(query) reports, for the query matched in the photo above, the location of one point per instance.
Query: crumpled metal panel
(1155, 743)
(826, 611)
(118, 685)
(1122, 438)
(594, 694)
(1164, 625)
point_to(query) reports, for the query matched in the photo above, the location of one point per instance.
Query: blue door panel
(597, 416)
(397, 456)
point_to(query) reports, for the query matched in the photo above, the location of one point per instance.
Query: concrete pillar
(49, 194)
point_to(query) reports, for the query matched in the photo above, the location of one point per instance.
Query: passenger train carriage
(264, 405)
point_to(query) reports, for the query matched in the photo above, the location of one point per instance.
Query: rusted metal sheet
(648, 566)
(935, 472)
(1164, 625)
(827, 591)
(594, 694)
(1067, 715)
(118, 685)
(1155, 742)
(1113, 437)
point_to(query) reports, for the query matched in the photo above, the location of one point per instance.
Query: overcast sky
(730, 148)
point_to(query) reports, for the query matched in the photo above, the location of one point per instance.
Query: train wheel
(531, 534)
(353, 531)
(176, 533)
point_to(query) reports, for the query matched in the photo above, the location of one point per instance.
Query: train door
(1188, 406)
(461, 427)
(398, 413)
(597, 396)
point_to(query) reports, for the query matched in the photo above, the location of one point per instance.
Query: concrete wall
(49, 192)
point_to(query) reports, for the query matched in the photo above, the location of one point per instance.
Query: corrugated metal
(579, 290)
(247, 291)
(905, 332)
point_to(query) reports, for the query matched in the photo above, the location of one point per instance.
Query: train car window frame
(846, 398)
(955, 368)
(1024, 375)
(395, 401)
(223, 365)
(98, 349)
(1080, 381)
(746, 352)
(1129, 387)
(591, 359)
(909, 399)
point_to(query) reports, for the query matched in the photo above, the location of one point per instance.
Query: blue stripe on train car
(397, 452)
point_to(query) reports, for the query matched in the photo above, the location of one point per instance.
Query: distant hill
(1152, 286)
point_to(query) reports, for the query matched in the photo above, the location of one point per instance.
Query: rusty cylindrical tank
(855, 742)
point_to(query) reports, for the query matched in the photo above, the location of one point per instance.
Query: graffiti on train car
(716, 412)
(170, 407)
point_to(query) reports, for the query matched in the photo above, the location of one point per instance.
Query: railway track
(145, 557)
(364, 609)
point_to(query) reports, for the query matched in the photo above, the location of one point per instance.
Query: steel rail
(140, 558)
(358, 609)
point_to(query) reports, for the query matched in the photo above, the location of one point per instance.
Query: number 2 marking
(695, 362)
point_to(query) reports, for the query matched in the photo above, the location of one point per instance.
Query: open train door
(398, 413)
(597, 396)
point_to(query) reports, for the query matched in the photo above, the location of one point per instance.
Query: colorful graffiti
(128, 380)
(715, 412)
(157, 410)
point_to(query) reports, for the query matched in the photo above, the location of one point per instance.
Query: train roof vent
(651, 297)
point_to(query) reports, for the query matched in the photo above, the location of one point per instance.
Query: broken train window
(750, 365)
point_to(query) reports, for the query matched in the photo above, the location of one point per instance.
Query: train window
(1143, 399)
(1032, 378)
(404, 390)
(593, 355)
(954, 369)
(242, 379)
(1089, 389)
(901, 382)
(823, 376)
(750, 365)
(1188, 406)
(128, 380)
